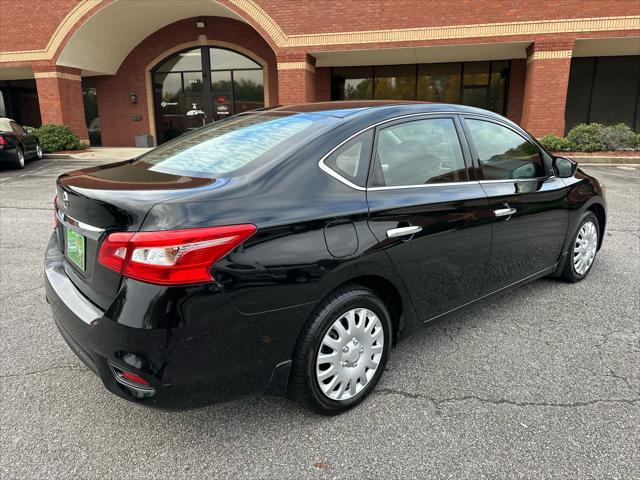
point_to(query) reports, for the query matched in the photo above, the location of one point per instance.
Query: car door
(530, 216)
(427, 212)
(28, 141)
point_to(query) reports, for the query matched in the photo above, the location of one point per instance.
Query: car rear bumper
(7, 153)
(185, 366)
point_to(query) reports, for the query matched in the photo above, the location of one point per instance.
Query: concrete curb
(604, 160)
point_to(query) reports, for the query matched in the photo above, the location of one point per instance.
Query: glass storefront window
(352, 83)
(480, 84)
(615, 90)
(222, 89)
(221, 82)
(604, 90)
(222, 59)
(475, 97)
(439, 82)
(92, 120)
(19, 101)
(248, 86)
(395, 82)
(189, 60)
(168, 88)
(192, 83)
(476, 73)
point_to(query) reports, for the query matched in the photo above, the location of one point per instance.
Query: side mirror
(564, 167)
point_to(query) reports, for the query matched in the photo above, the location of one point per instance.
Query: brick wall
(316, 16)
(323, 84)
(537, 89)
(515, 97)
(114, 106)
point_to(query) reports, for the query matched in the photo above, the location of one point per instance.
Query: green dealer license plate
(75, 248)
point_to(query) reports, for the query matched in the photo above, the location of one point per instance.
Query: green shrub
(587, 138)
(554, 143)
(55, 138)
(635, 142)
(618, 137)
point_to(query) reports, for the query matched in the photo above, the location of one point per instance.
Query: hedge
(594, 137)
(55, 138)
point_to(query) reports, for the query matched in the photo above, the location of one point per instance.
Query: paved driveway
(543, 382)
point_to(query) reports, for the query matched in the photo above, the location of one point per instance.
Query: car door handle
(403, 231)
(504, 212)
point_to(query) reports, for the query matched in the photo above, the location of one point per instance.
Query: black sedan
(286, 251)
(18, 144)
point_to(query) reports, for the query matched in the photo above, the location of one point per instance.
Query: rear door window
(504, 154)
(17, 129)
(419, 152)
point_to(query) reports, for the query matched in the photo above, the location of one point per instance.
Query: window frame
(364, 169)
(418, 117)
(546, 158)
(466, 152)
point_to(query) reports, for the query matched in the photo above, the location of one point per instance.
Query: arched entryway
(202, 84)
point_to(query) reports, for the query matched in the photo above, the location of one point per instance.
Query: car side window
(419, 152)
(504, 154)
(17, 128)
(351, 160)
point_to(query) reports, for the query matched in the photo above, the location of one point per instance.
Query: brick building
(115, 70)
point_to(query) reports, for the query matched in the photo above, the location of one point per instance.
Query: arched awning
(101, 43)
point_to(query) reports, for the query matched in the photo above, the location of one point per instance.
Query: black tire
(303, 383)
(19, 160)
(569, 273)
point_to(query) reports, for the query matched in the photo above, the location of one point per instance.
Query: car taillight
(171, 257)
(3, 141)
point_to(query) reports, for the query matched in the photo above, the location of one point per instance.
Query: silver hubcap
(20, 157)
(38, 151)
(585, 248)
(350, 353)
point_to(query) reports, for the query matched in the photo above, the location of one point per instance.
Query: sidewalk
(99, 153)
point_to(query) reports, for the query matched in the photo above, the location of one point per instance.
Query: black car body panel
(15, 137)
(315, 233)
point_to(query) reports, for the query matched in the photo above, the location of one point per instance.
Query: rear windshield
(233, 144)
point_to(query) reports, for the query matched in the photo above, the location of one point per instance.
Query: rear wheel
(583, 249)
(19, 161)
(38, 152)
(342, 351)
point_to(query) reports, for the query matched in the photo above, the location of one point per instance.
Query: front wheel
(342, 351)
(583, 249)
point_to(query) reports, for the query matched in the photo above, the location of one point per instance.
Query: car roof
(344, 109)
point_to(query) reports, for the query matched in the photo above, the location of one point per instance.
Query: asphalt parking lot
(542, 382)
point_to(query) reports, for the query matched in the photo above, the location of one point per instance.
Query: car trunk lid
(94, 202)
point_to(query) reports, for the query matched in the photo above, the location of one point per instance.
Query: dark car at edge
(17, 143)
(286, 251)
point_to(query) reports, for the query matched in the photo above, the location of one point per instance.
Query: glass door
(222, 91)
(201, 85)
